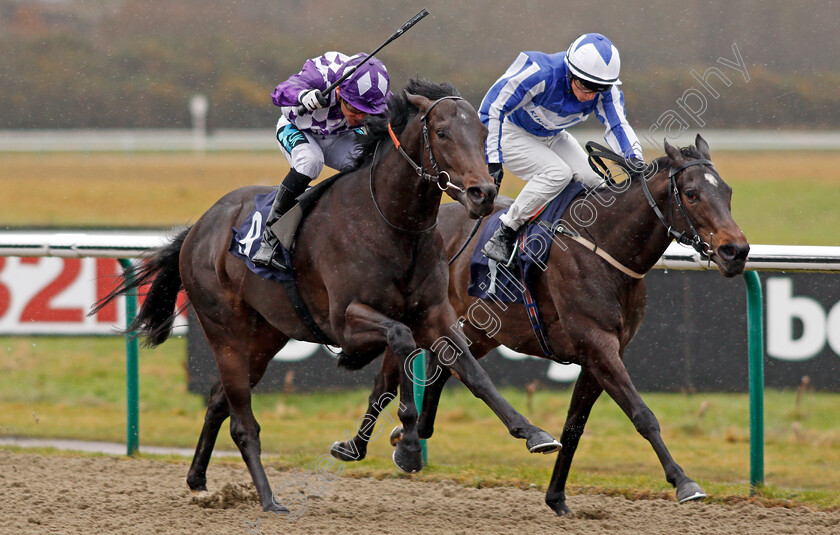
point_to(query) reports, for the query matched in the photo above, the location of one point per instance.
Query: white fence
(128, 140)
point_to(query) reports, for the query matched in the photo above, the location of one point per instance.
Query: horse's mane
(400, 112)
(690, 152)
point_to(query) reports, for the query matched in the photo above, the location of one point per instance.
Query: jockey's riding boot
(268, 255)
(500, 246)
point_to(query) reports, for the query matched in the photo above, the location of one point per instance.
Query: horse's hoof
(560, 508)
(396, 435)
(200, 493)
(407, 461)
(275, 507)
(542, 442)
(343, 452)
(689, 491)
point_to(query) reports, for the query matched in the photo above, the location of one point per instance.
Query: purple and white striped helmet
(368, 87)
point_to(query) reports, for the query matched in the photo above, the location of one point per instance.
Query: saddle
(246, 240)
(534, 244)
(286, 227)
(247, 237)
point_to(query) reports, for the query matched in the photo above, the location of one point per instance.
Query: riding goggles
(587, 86)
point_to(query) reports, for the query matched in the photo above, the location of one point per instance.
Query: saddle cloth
(247, 238)
(489, 280)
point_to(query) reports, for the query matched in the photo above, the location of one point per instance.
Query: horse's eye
(440, 133)
(691, 195)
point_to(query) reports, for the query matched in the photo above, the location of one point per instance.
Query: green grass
(780, 198)
(75, 388)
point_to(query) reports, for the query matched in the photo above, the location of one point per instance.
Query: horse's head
(456, 142)
(707, 206)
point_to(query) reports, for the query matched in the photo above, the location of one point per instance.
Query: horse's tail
(156, 315)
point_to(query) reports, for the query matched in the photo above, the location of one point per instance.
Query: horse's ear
(418, 101)
(673, 152)
(702, 147)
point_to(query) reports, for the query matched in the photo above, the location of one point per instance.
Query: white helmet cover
(593, 57)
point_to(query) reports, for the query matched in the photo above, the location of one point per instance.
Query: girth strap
(534, 314)
(303, 314)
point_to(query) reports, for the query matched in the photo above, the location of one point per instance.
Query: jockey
(317, 129)
(527, 112)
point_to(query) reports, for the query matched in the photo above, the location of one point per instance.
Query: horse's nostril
(727, 252)
(484, 194)
(731, 252)
(476, 194)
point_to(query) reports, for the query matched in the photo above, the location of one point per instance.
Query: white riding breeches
(547, 164)
(308, 153)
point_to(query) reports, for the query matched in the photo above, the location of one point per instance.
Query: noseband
(427, 147)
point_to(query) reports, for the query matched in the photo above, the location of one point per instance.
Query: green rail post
(419, 372)
(132, 440)
(755, 327)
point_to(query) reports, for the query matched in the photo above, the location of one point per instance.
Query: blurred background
(137, 63)
(97, 131)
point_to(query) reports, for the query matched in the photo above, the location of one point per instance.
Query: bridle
(694, 239)
(690, 237)
(419, 169)
(427, 147)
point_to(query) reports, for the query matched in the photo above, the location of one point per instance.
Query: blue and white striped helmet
(593, 57)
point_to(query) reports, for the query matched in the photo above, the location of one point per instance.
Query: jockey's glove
(495, 170)
(312, 99)
(637, 166)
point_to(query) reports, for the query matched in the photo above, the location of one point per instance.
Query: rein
(597, 152)
(376, 205)
(419, 169)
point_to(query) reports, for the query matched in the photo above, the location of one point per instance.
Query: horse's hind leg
(218, 411)
(384, 390)
(243, 346)
(585, 394)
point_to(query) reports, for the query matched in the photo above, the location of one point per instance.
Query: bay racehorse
(590, 308)
(369, 264)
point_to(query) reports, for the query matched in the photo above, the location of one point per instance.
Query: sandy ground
(41, 494)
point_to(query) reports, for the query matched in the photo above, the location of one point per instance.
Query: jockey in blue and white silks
(527, 112)
(317, 129)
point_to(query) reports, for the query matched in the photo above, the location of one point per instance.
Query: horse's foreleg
(217, 412)
(611, 373)
(586, 392)
(365, 325)
(384, 390)
(431, 396)
(452, 352)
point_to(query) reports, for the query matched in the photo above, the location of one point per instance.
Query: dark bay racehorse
(590, 309)
(370, 266)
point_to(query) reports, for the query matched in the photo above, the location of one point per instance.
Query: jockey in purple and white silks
(317, 129)
(527, 112)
